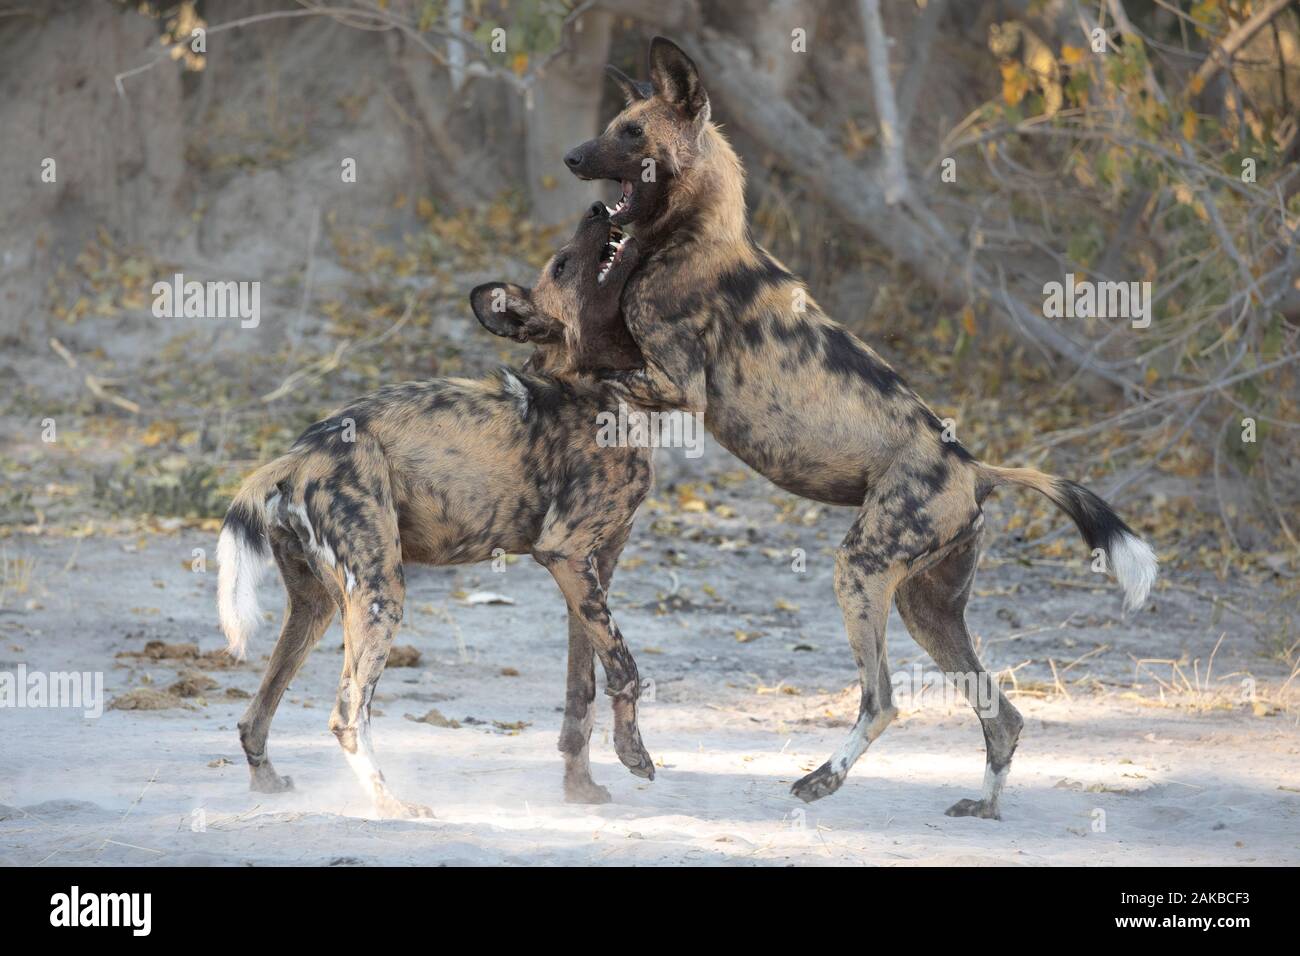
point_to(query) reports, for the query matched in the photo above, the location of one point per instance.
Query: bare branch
(893, 163)
(919, 60)
(1222, 53)
(1207, 199)
(378, 19)
(910, 231)
(455, 51)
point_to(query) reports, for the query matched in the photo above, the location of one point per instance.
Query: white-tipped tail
(1135, 568)
(240, 567)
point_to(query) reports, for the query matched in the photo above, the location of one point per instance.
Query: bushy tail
(1131, 558)
(242, 552)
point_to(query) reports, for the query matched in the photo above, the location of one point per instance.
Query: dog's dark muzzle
(582, 160)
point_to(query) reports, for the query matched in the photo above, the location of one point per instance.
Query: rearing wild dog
(727, 331)
(446, 472)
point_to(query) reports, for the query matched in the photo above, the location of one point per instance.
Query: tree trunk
(565, 111)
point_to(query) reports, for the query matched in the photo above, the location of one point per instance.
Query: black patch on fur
(954, 448)
(248, 526)
(805, 337)
(932, 479)
(843, 355)
(546, 396)
(753, 332)
(1096, 520)
(740, 287)
(330, 430)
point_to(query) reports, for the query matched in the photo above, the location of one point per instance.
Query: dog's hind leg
(865, 578)
(306, 617)
(372, 612)
(909, 513)
(357, 536)
(932, 604)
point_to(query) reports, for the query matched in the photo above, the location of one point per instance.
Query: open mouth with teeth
(624, 200)
(612, 253)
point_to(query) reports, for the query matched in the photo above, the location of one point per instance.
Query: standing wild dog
(726, 330)
(447, 472)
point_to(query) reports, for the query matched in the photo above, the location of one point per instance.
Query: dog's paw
(822, 782)
(636, 759)
(394, 809)
(585, 791)
(266, 780)
(974, 808)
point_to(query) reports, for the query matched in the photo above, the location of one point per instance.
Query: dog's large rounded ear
(632, 90)
(503, 308)
(675, 78)
(506, 309)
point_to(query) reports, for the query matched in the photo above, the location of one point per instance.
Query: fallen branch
(96, 385)
(322, 367)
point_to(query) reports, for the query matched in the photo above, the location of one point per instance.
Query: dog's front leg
(579, 580)
(579, 714)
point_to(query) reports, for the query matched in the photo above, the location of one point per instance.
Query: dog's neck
(587, 354)
(608, 347)
(706, 199)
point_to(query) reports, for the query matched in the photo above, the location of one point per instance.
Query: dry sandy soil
(1119, 763)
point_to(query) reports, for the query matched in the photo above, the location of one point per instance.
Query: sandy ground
(753, 686)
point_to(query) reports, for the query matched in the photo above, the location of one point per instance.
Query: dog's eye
(558, 269)
(633, 130)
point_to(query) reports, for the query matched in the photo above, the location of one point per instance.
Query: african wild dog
(726, 330)
(445, 472)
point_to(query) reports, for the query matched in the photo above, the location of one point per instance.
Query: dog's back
(468, 468)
